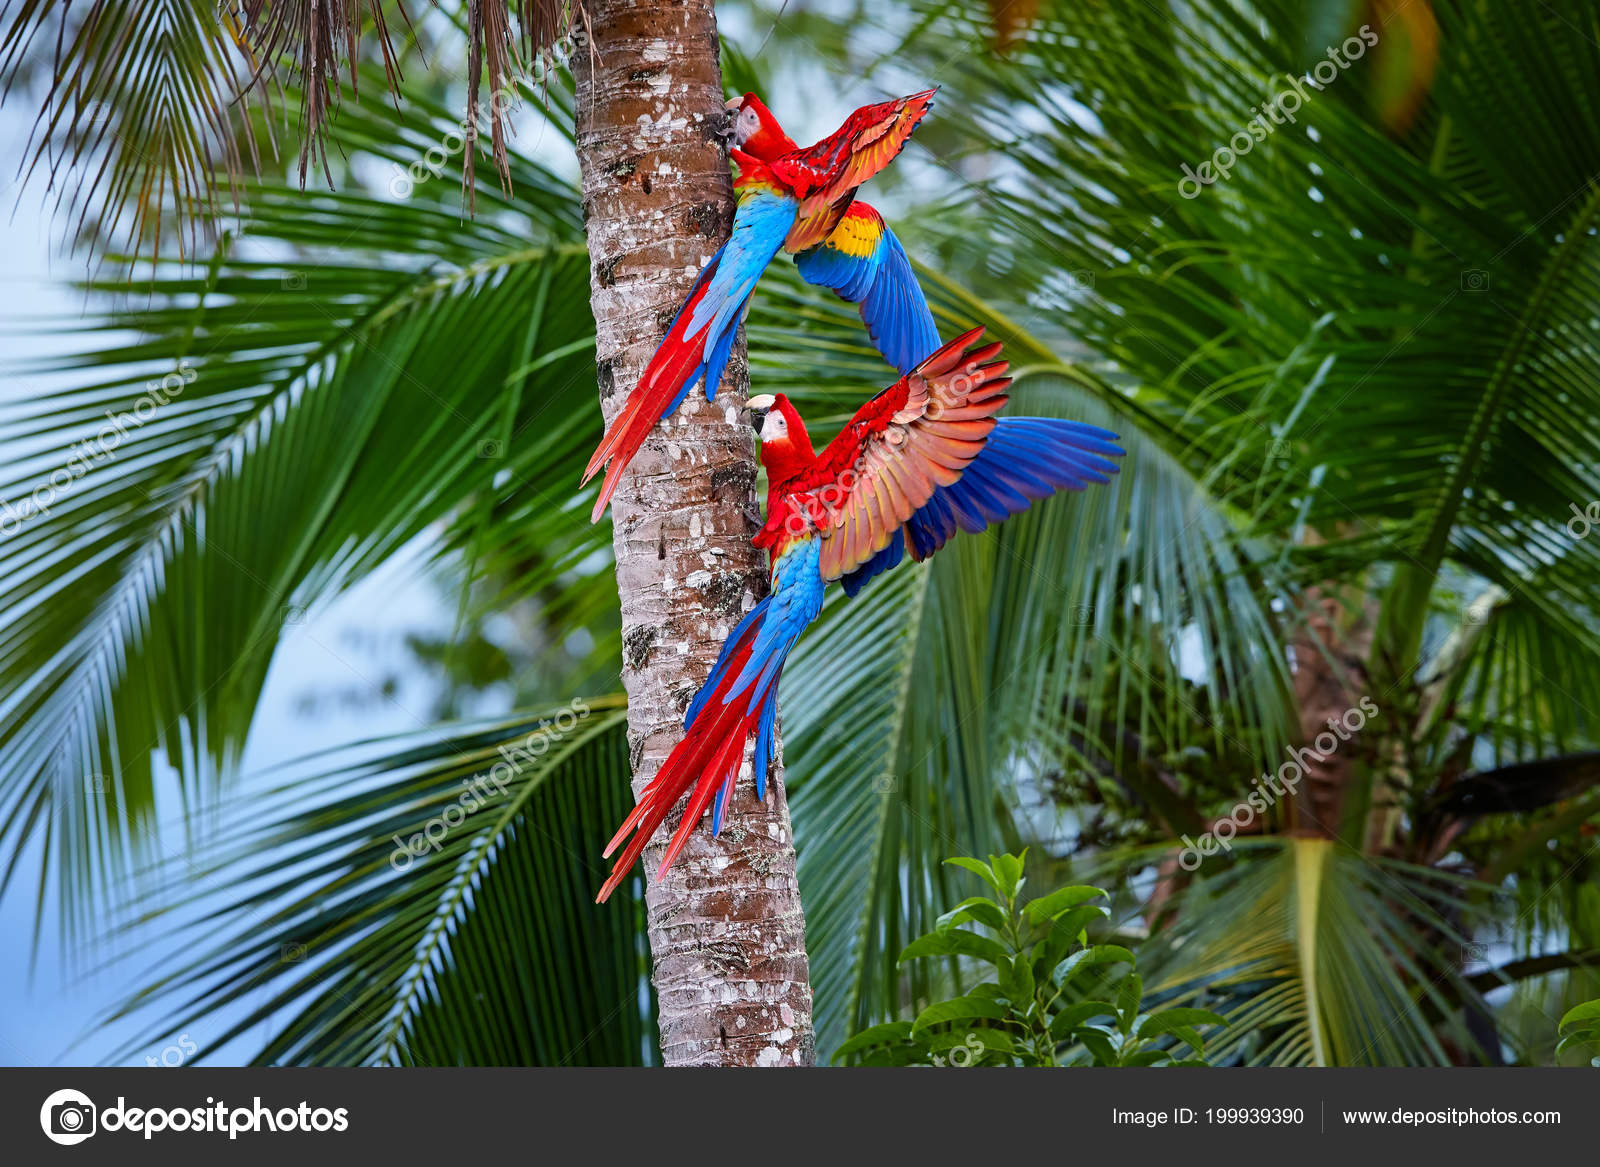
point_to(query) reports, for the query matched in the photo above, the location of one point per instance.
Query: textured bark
(726, 929)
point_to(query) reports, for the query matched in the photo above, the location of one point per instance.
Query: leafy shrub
(1581, 1027)
(1032, 1012)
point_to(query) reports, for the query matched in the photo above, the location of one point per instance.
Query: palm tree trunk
(726, 929)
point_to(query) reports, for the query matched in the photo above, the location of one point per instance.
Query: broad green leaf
(1074, 1015)
(1051, 905)
(1587, 1014)
(1016, 981)
(957, 942)
(958, 1009)
(887, 1033)
(975, 1042)
(1190, 1036)
(1097, 954)
(974, 908)
(980, 869)
(1065, 933)
(1007, 874)
(1099, 1042)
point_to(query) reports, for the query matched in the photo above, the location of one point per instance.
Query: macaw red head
(785, 445)
(755, 131)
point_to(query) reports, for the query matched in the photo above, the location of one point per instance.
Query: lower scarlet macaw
(923, 458)
(799, 200)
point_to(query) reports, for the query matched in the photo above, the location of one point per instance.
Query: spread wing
(864, 263)
(1025, 459)
(827, 174)
(928, 457)
(904, 444)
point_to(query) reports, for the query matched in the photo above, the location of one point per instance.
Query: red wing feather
(917, 435)
(825, 176)
(708, 757)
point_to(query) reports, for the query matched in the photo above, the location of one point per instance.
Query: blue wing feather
(1024, 460)
(863, 263)
(889, 557)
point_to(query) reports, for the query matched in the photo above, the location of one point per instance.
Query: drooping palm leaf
(1319, 956)
(137, 112)
(149, 109)
(339, 399)
(404, 909)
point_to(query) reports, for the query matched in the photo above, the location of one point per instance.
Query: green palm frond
(1379, 351)
(331, 403)
(1319, 956)
(392, 935)
(138, 114)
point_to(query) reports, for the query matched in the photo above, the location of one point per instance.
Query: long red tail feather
(674, 363)
(708, 757)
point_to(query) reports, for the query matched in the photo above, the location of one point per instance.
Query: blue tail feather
(717, 363)
(764, 732)
(795, 601)
(720, 668)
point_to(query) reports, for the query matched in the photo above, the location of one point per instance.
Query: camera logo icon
(68, 1117)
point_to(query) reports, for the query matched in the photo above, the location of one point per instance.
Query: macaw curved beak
(758, 407)
(733, 103)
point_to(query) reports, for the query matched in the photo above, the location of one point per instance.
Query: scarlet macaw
(919, 460)
(799, 200)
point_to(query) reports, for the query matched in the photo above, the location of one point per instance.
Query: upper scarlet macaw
(922, 458)
(799, 200)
